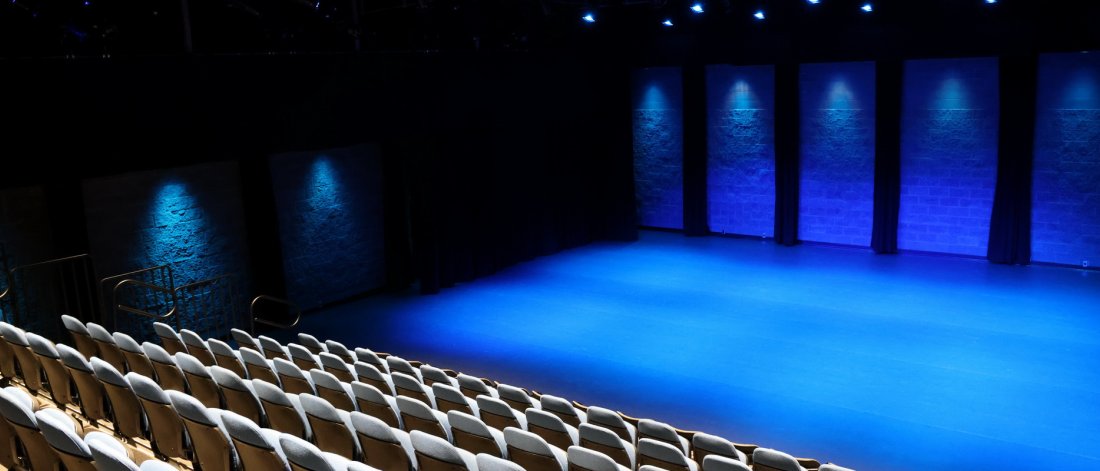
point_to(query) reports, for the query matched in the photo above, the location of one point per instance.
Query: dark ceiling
(727, 31)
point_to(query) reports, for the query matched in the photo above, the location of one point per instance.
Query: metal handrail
(142, 312)
(263, 297)
(13, 270)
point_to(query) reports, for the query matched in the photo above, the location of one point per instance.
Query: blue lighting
(813, 2)
(176, 235)
(87, 3)
(867, 8)
(667, 22)
(990, 1)
(589, 18)
(758, 15)
(697, 8)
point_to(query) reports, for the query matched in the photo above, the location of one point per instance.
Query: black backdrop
(490, 159)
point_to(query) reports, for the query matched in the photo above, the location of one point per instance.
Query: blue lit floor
(875, 362)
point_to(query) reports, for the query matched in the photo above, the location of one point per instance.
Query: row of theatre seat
(318, 405)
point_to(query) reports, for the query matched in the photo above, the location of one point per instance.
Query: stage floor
(904, 362)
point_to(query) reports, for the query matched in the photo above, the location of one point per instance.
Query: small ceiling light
(589, 18)
(867, 8)
(697, 8)
(667, 22)
(759, 15)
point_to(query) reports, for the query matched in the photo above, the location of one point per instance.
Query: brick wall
(1066, 192)
(741, 149)
(330, 223)
(190, 218)
(25, 235)
(659, 147)
(836, 204)
(949, 155)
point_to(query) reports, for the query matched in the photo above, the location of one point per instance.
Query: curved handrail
(142, 312)
(263, 297)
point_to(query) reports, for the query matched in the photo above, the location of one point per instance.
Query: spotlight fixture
(759, 15)
(589, 18)
(990, 1)
(867, 8)
(697, 8)
(813, 2)
(667, 22)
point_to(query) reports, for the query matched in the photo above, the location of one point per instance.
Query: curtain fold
(1010, 223)
(888, 97)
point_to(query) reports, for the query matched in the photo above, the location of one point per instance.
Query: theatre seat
(197, 347)
(663, 455)
(88, 388)
(584, 459)
(516, 398)
(284, 411)
(72, 451)
(724, 463)
(16, 341)
(705, 444)
(532, 452)
(472, 387)
(401, 365)
(418, 416)
(767, 459)
(487, 462)
(332, 430)
(302, 357)
(257, 366)
(239, 394)
(165, 426)
(304, 456)
(168, 373)
(128, 418)
(369, 357)
(226, 357)
(292, 378)
(136, 359)
(371, 375)
(82, 339)
(833, 467)
(334, 391)
(199, 381)
(16, 408)
(210, 443)
(497, 414)
(551, 428)
(338, 349)
(56, 374)
(663, 432)
(311, 343)
(257, 448)
(471, 434)
(369, 400)
(408, 386)
(436, 454)
(448, 398)
(612, 421)
(563, 409)
(605, 441)
(336, 365)
(245, 340)
(384, 447)
(433, 375)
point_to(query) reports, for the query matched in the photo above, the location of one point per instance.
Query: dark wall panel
(659, 147)
(330, 213)
(1066, 192)
(838, 153)
(949, 125)
(741, 149)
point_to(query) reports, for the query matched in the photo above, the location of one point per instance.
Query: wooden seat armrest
(415, 363)
(688, 434)
(630, 420)
(580, 406)
(449, 372)
(489, 382)
(382, 355)
(746, 448)
(809, 463)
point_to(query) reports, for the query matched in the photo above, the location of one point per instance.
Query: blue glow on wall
(741, 149)
(331, 223)
(950, 113)
(836, 202)
(659, 147)
(1065, 224)
(177, 232)
(190, 218)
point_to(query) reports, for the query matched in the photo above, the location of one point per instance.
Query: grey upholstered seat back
(770, 459)
(725, 463)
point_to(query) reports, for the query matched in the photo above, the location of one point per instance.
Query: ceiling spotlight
(589, 18)
(990, 1)
(667, 22)
(867, 8)
(758, 15)
(697, 8)
(813, 2)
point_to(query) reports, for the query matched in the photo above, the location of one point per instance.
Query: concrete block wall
(190, 218)
(1066, 190)
(836, 201)
(741, 149)
(950, 113)
(659, 147)
(330, 213)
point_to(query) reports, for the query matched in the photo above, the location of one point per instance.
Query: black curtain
(1010, 225)
(787, 146)
(695, 150)
(888, 93)
(524, 163)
